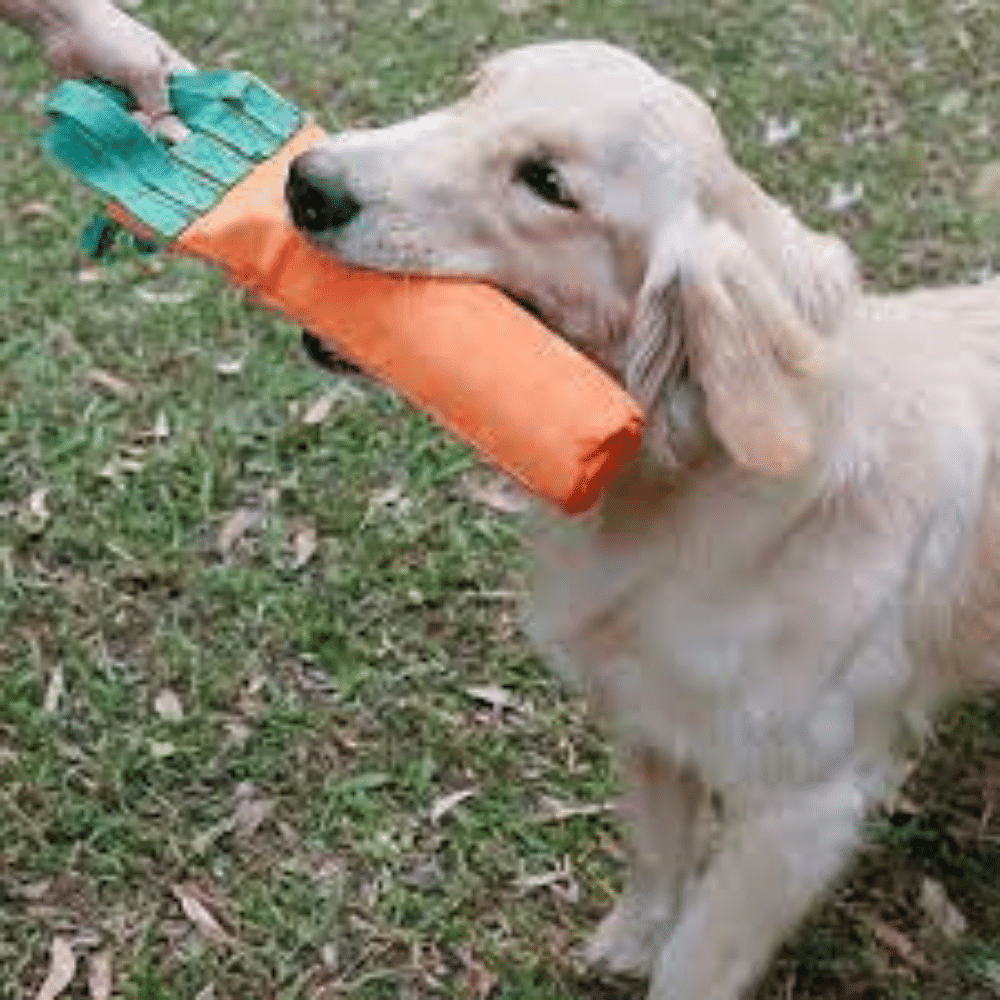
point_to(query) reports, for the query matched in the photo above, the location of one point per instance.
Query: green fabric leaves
(235, 121)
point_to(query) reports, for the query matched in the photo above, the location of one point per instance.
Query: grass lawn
(268, 728)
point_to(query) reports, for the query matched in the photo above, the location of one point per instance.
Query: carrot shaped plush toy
(465, 354)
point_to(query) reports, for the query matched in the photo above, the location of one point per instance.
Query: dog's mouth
(322, 354)
(529, 307)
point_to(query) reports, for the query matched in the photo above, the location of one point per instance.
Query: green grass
(325, 709)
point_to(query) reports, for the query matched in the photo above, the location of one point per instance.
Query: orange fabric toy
(477, 363)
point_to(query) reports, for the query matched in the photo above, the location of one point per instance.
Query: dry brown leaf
(36, 504)
(161, 429)
(99, 979)
(941, 911)
(446, 803)
(237, 735)
(118, 465)
(160, 749)
(35, 210)
(330, 955)
(250, 702)
(250, 815)
(168, 706)
(779, 132)
(493, 695)
(54, 690)
(954, 101)
(195, 905)
(303, 543)
(62, 968)
(89, 273)
(35, 891)
(386, 497)
(34, 514)
(85, 939)
(905, 805)
(553, 810)
(229, 366)
(110, 383)
(844, 196)
(560, 881)
(515, 8)
(898, 942)
(175, 298)
(319, 409)
(236, 525)
(201, 842)
(495, 490)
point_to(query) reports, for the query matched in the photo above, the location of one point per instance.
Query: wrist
(48, 19)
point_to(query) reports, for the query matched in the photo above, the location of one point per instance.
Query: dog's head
(600, 194)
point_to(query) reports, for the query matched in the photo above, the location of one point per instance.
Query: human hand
(101, 40)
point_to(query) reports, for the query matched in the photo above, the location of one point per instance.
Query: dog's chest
(684, 640)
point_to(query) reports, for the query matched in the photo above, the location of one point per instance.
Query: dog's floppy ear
(708, 298)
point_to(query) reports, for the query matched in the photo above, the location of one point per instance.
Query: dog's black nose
(318, 200)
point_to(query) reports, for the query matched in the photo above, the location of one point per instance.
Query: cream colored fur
(802, 565)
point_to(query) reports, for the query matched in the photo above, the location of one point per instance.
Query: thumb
(175, 62)
(151, 92)
(149, 88)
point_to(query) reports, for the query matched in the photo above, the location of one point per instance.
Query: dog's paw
(629, 939)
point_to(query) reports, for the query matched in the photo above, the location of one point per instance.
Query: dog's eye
(543, 179)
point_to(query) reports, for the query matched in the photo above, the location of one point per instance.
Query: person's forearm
(42, 16)
(95, 38)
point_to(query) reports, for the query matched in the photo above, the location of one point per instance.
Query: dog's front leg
(766, 874)
(660, 806)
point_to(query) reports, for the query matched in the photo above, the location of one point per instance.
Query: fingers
(167, 125)
(110, 44)
(175, 62)
(150, 89)
(172, 128)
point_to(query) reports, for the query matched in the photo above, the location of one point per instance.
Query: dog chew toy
(461, 351)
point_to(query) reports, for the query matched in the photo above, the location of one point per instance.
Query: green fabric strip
(79, 149)
(219, 121)
(99, 236)
(242, 94)
(123, 139)
(269, 110)
(235, 121)
(211, 158)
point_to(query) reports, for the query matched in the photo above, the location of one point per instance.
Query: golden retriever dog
(803, 562)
